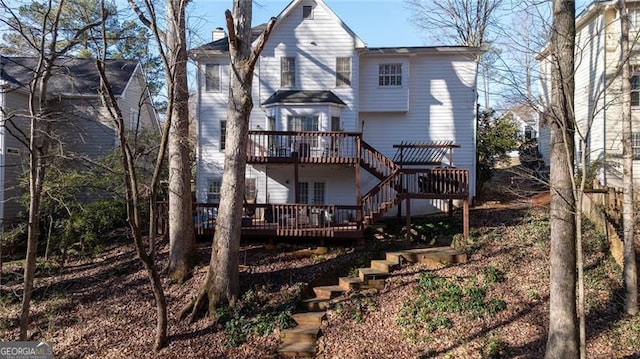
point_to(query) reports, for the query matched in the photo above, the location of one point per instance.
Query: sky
(379, 23)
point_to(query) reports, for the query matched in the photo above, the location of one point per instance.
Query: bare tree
(172, 44)
(562, 339)
(145, 251)
(221, 285)
(628, 212)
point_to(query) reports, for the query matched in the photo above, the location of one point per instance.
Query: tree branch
(264, 37)
(146, 22)
(231, 28)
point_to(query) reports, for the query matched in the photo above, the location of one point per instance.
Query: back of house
(331, 116)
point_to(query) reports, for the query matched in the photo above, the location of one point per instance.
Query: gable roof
(295, 3)
(222, 45)
(303, 97)
(70, 76)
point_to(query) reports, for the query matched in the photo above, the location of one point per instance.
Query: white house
(80, 121)
(598, 88)
(328, 112)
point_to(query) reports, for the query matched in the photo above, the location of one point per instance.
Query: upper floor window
(307, 12)
(635, 145)
(634, 18)
(635, 86)
(390, 75)
(223, 134)
(134, 120)
(212, 78)
(343, 71)
(287, 71)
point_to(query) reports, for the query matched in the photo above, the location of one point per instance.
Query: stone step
(314, 304)
(394, 257)
(303, 334)
(308, 319)
(444, 255)
(383, 265)
(297, 350)
(329, 291)
(348, 283)
(367, 274)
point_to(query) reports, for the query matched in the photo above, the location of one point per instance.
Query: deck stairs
(301, 341)
(384, 196)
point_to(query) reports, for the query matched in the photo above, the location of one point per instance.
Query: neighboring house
(81, 124)
(598, 89)
(528, 120)
(337, 127)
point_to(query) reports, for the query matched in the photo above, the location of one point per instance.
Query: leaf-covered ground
(102, 307)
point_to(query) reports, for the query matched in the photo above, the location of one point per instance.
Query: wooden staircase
(301, 341)
(384, 196)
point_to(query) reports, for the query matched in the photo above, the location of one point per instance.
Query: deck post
(465, 218)
(357, 178)
(296, 179)
(408, 219)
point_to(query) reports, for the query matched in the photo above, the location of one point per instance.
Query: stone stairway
(300, 342)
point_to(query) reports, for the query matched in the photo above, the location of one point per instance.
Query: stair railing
(375, 162)
(381, 198)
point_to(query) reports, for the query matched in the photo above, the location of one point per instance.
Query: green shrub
(254, 315)
(437, 296)
(496, 138)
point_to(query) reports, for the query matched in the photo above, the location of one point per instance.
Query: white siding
(590, 84)
(374, 98)
(442, 100)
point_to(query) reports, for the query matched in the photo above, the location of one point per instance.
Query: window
(343, 71)
(304, 123)
(390, 75)
(288, 72)
(307, 12)
(133, 120)
(635, 145)
(635, 86)
(311, 192)
(223, 134)
(335, 123)
(250, 190)
(212, 78)
(634, 18)
(303, 192)
(213, 190)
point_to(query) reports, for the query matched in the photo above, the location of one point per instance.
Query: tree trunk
(562, 341)
(628, 212)
(182, 245)
(36, 176)
(39, 130)
(222, 283)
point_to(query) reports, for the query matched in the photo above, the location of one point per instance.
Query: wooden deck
(303, 147)
(287, 220)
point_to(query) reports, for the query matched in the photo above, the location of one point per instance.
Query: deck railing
(302, 146)
(441, 183)
(285, 219)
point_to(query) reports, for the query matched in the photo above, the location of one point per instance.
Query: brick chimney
(218, 34)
